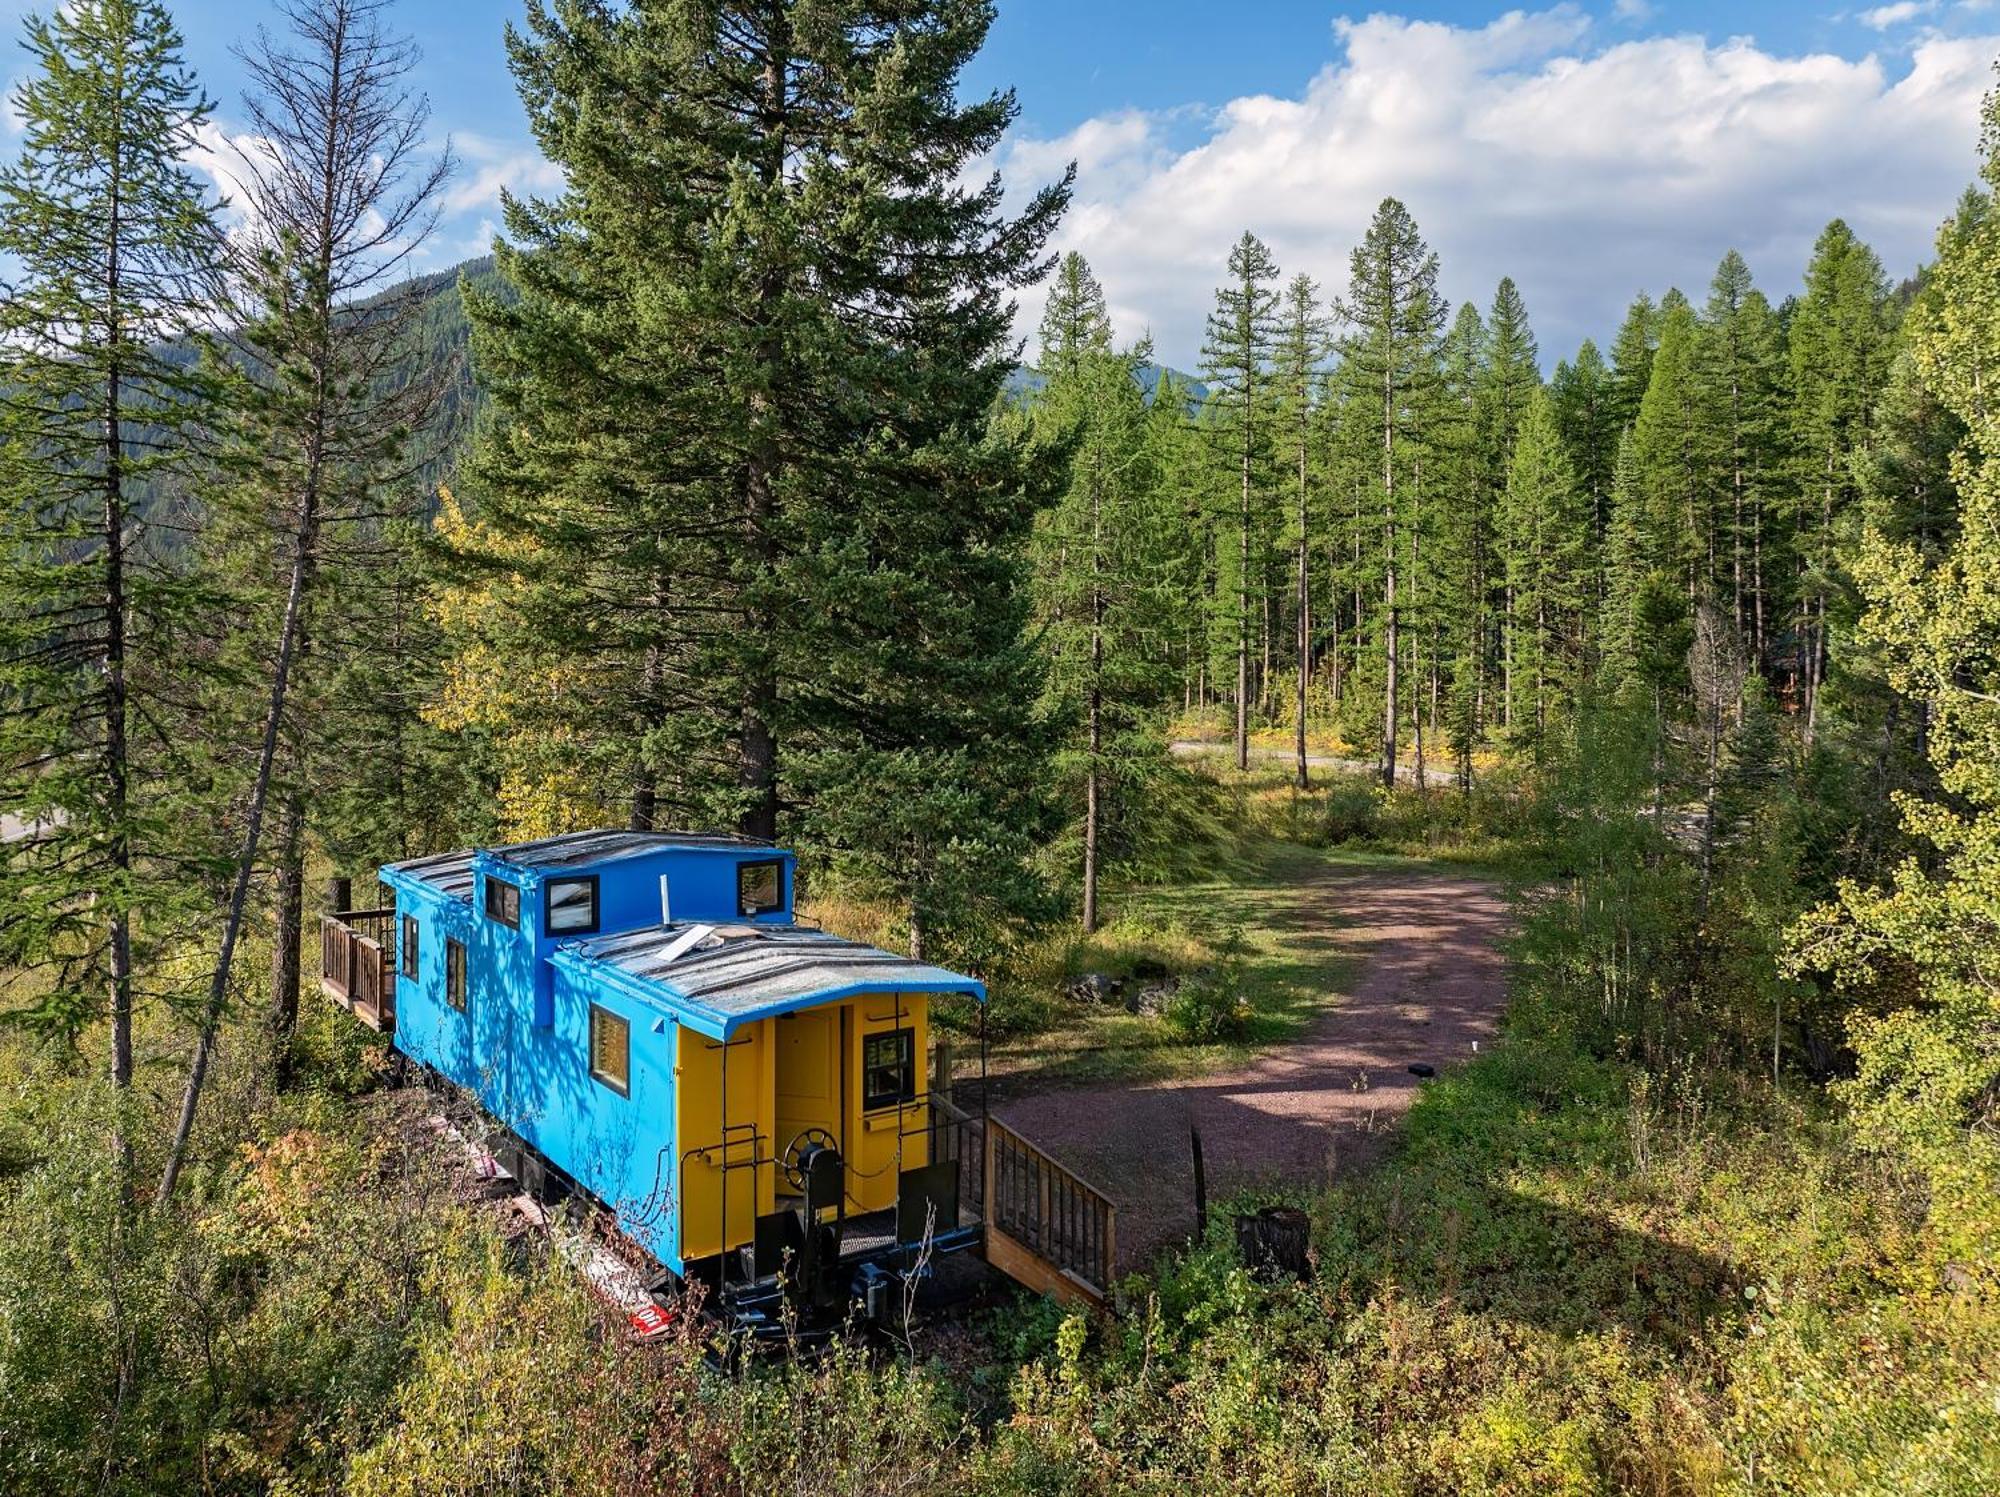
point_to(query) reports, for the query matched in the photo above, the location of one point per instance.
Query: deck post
(941, 1070)
(986, 1207)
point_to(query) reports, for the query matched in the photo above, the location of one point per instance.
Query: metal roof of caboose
(574, 849)
(737, 973)
(452, 872)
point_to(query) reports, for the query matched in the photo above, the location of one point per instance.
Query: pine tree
(1739, 375)
(766, 248)
(1097, 560)
(1508, 377)
(1390, 362)
(102, 632)
(1627, 569)
(340, 198)
(1632, 361)
(1668, 445)
(1467, 547)
(1236, 358)
(1177, 468)
(1301, 348)
(1075, 326)
(1839, 344)
(1545, 552)
(1582, 391)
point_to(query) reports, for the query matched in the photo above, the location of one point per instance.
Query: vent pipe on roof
(666, 906)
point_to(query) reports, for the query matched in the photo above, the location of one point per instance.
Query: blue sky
(1588, 149)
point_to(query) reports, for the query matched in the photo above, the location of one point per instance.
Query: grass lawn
(1271, 925)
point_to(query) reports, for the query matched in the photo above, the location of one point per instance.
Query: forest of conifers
(726, 497)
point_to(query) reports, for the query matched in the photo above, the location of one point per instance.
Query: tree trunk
(117, 753)
(1391, 641)
(287, 935)
(1094, 772)
(757, 744)
(1305, 619)
(218, 991)
(1243, 604)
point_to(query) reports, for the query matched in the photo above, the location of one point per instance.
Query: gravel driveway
(1429, 988)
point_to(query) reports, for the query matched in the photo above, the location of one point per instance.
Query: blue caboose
(643, 1016)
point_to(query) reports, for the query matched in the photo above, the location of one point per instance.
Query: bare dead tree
(340, 193)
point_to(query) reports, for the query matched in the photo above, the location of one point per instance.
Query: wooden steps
(1047, 1227)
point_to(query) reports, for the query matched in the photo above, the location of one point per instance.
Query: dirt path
(1430, 986)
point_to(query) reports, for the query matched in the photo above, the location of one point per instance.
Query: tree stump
(1274, 1242)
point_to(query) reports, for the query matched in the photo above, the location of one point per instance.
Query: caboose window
(570, 906)
(409, 946)
(888, 1068)
(760, 887)
(454, 973)
(611, 1050)
(503, 902)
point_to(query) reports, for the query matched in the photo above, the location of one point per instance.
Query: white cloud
(1883, 17)
(486, 166)
(1584, 173)
(1633, 10)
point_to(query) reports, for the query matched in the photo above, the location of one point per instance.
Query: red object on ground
(650, 1322)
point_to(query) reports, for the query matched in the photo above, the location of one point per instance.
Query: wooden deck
(356, 964)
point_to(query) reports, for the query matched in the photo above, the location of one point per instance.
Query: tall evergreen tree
(1632, 361)
(1508, 378)
(1667, 443)
(1390, 363)
(1301, 349)
(1098, 563)
(1466, 548)
(1546, 564)
(1627, 569)
(1839, 343)
(1582, 392)
(766, 248)
(114, 251)
(1738, 363)
(341, 197)
(1236, 359)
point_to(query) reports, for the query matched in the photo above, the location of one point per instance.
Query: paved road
(1431, 985)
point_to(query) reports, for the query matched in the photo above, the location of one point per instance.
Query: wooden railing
(1046, 1225)
(356, 964)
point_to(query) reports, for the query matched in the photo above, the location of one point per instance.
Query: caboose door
(808, 1085)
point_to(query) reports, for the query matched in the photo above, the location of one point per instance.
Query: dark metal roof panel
(741, 971)
(573, 849)
(450, 872)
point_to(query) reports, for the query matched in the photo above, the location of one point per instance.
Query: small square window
(888, 1069)
(569, 906)
(454, 973)
(760, 887)
(503, 902)
(611, 1050)
(410, 945)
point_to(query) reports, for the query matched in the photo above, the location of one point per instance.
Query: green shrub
(1208, 1006)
